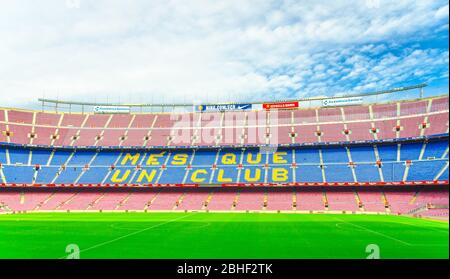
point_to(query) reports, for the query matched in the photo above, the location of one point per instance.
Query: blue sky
(212, 51)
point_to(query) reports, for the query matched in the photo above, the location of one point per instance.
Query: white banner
(111, 109)
(342, 102)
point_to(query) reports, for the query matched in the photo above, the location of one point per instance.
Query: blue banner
(224, 107)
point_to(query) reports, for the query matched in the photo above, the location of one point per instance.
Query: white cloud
(442, 12)
(198, 50)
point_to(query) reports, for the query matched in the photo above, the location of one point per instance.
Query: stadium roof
(77, 103)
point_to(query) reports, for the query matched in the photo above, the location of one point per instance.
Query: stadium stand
(349, 199)
(406, 119)
(329, 159)
(397, 162)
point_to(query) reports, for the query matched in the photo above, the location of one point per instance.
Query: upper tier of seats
(337, 124)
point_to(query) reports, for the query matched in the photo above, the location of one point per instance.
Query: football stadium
(314, 178)
(224, 137)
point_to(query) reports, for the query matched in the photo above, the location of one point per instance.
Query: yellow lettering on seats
(257, 176)
(229, 159)
(147, 176)
(252, 161)
(279, 174)
(195, 175)
(180, 159)
(134, 158)
(278, 158)
(153, 158)
(115, 178)
(221, 178)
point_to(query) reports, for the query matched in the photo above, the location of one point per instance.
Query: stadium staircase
(96, 201)
(66, 201)
(358, 201)
(179, 201)
(294, 200)
(207, 201)
(386, 202)
(235, 201)
(44, 202)
(150, 202)
(123, 202)
(325, 201)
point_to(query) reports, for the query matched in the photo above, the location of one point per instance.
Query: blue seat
(362, 154)
(334, 155)
(93, 175)
(307, 156)
(435, 149)
(387, 152)
(173, 175)
(46, 174)
(425, 170)
(367, 173)
(444, 175)
(204, 158)
(338, 173)
(19, 174)
(81, 158)
(106, 158)
(3, 156)
(60, 157)
(69, 175)
(40, 156)
(308, 173)
(393, 171)
(19, 156)
(410, 151)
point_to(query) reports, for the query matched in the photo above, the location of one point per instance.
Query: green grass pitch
(220, 235)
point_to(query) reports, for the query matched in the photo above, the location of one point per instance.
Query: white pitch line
(375, 232)
(433, 229)
(131, 234)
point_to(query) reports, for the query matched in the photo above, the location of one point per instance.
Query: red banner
(287, 105)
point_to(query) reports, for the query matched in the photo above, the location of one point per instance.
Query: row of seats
(388, 152)
(407, 161)
(352, 200)
(355, 123)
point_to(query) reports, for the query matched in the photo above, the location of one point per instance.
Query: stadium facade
(341, 156)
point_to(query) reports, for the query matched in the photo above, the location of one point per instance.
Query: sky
(152, 51)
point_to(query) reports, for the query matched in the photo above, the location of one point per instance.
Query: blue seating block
(388, 152)
(40, 156)
(338, 173)
(334, 155)
(367, 173)
(19, 156)
(435, 149)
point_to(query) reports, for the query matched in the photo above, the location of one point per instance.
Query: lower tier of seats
(422, 200)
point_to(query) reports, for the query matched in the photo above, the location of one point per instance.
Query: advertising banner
(285, 105)
(342, 102)
(224, 107)
(111, 109)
